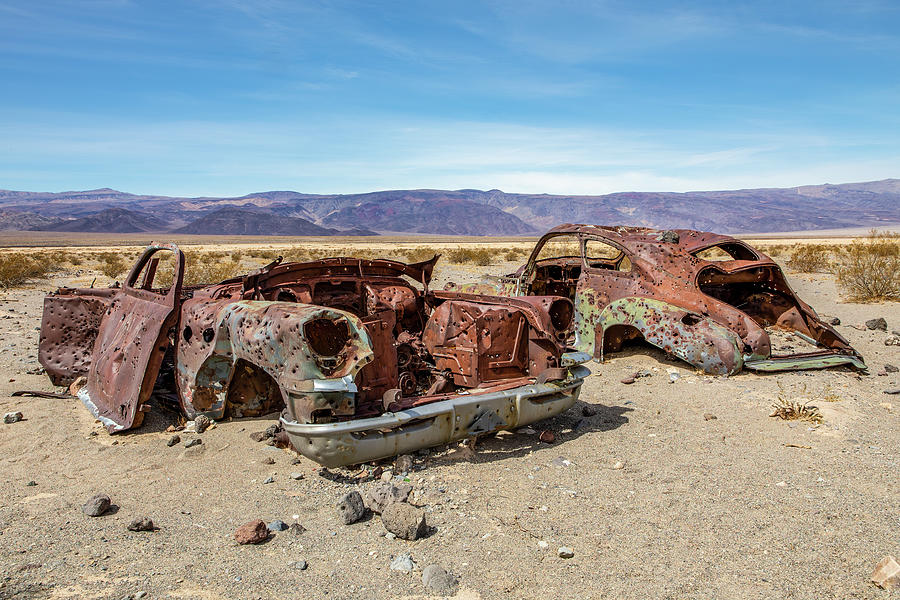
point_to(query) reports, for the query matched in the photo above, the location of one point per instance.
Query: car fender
(269, 335)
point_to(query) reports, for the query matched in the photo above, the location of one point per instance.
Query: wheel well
(252, 392)
(615, 336)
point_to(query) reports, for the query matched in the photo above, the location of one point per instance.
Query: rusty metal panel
(69, 328)
(130, 346)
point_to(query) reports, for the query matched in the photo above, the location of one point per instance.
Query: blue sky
(229, 97)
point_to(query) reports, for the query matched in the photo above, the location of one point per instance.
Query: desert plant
(795, 410)
(869, 268)
(17, 268)
(113, 265)
(477, 256)
(810, 258)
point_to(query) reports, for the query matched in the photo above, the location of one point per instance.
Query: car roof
(632, 238)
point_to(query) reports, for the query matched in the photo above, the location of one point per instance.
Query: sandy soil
(739, 506)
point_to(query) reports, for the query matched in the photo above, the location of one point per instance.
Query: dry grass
(868, 269)
(810, 258)
(18, 268)
(795, 410)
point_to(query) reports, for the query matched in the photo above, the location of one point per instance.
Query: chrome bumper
(464, 416)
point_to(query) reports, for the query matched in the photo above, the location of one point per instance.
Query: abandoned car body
(710, 300)
(366, 364)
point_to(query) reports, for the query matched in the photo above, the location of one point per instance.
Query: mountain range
(456, 212)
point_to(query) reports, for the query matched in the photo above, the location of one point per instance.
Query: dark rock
(893, 340)
(96, 505)
(175, 439)
(834, 321)
(31, 483)
(296, 529)
(404, 521)
(889, 368)
(141, 524)
(12, 417)
(437, 580)
(628, 380)
(201, 423)
(268, 460)
(276, 525)
(253, 532)
(588, 410)
(193, 442)
(258, 436)
(879, 324)
(893, 391)
(709, 417)
(382, 493)
(403, 464)
(547, 436)
(351, 507)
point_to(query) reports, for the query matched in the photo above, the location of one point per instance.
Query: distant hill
(234, 220)
(111, 220)
(456, 212)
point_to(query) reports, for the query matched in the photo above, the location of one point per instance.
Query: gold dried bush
(868, 269)
(810, 258)
(17, 268)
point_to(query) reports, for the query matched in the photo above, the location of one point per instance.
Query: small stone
(618, 466)
(258, 436)
(77, 385)
(301, 565)
(296, 529)
(888, 368)
(543, 545)
(547, 436)
(893, 391)
(628, 380)
(253, 532)
(382, 493)
(277, 525)
(887, 573)
(879, 324)
(403, 563)
(565, 552)
(387, 475)
(139, 595)
(351, 507)
(588, 410)
(202, 423)
(404, 521)
(268, 460)
(269, 479)
(438, 580)
(12, 417)
(141, 524)
(175, 439)
(834, 321)
(559, 461)
(96, 505)
(894, 340)
(193, 442)
(297, 476)
(709, 417)
(171, 429)
(31, 483)
(781, 484)
(404, 463)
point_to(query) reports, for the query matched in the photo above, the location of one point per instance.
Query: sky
(229, 97)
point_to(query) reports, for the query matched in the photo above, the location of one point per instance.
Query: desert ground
(679, 485)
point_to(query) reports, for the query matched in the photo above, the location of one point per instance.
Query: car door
(131, 342)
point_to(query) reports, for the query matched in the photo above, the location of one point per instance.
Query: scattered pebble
(404, 463)
(141, 524)
(438, 580)
(628, 380)
(543, 545)
(297, 476)
(588, 410)
(12, 417)
(269, 479)
(404, 521)
(879, 324)
(268, 460)
(547, 436)
(565, 552)
(175, 439)
(403, 563)
(387, 475)
(277, 525)
(253, 532)
(193, 442)
(618, 466)
(296, 529)
(31, 483)
(351, 507)
(201, 423)
(96, 505)
(301, 565)
(709, 417)
(889, 368)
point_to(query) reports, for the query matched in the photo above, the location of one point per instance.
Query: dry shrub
(774, 250)
(791, 410)
(418, 254)
(477, 256)
(810, 258)
(199, 268)
(17, 268)
(515, 254)
(113, 265)
(869, 268)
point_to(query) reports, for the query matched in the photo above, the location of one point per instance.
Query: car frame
(364, 359)
(671, 290)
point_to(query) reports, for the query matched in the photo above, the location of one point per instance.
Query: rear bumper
(463, 416)
(813, 360)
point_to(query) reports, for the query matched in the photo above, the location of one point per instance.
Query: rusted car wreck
(710, 300)
(364, 363)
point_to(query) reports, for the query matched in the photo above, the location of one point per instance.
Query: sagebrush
(868, 269)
